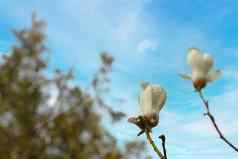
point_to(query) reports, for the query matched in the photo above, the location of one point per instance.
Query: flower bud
(152, 99)
(201, 65)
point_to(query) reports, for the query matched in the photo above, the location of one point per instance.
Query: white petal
(144, 84)
(145, 101)
(194, 57)
(159, 97)
(185, 77)
(198, 74)
(213, 75)
(152, 99)
(207, 62)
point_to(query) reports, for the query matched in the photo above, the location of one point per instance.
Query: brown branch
(162, 137)
(153, 145)
(211, 117)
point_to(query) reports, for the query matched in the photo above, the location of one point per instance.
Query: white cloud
(147, 44)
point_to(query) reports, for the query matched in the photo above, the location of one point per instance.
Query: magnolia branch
(153, 145)
(208, 113)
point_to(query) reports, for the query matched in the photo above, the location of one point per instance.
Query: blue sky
(149, 40)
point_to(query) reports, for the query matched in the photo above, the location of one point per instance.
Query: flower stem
(211, 117)
(153, 145)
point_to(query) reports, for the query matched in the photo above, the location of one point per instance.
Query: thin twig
(153, 145)
(162, 137)
(211, 117)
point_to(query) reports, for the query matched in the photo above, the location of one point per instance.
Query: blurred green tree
(44, 117)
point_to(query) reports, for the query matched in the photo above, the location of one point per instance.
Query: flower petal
(213, 75)
(185, 76)
(207, 62)
(144, 84)
(194, 57)
(152, 99)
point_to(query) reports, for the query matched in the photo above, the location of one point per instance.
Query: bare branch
(211, 117)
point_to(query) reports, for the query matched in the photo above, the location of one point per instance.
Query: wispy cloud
(147, 45)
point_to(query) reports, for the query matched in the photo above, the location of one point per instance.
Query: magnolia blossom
(152, 98)
(201, 65)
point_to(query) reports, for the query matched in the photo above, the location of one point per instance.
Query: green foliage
(34, 127)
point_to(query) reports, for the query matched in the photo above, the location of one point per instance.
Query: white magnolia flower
(201, 64)
(152, 98)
